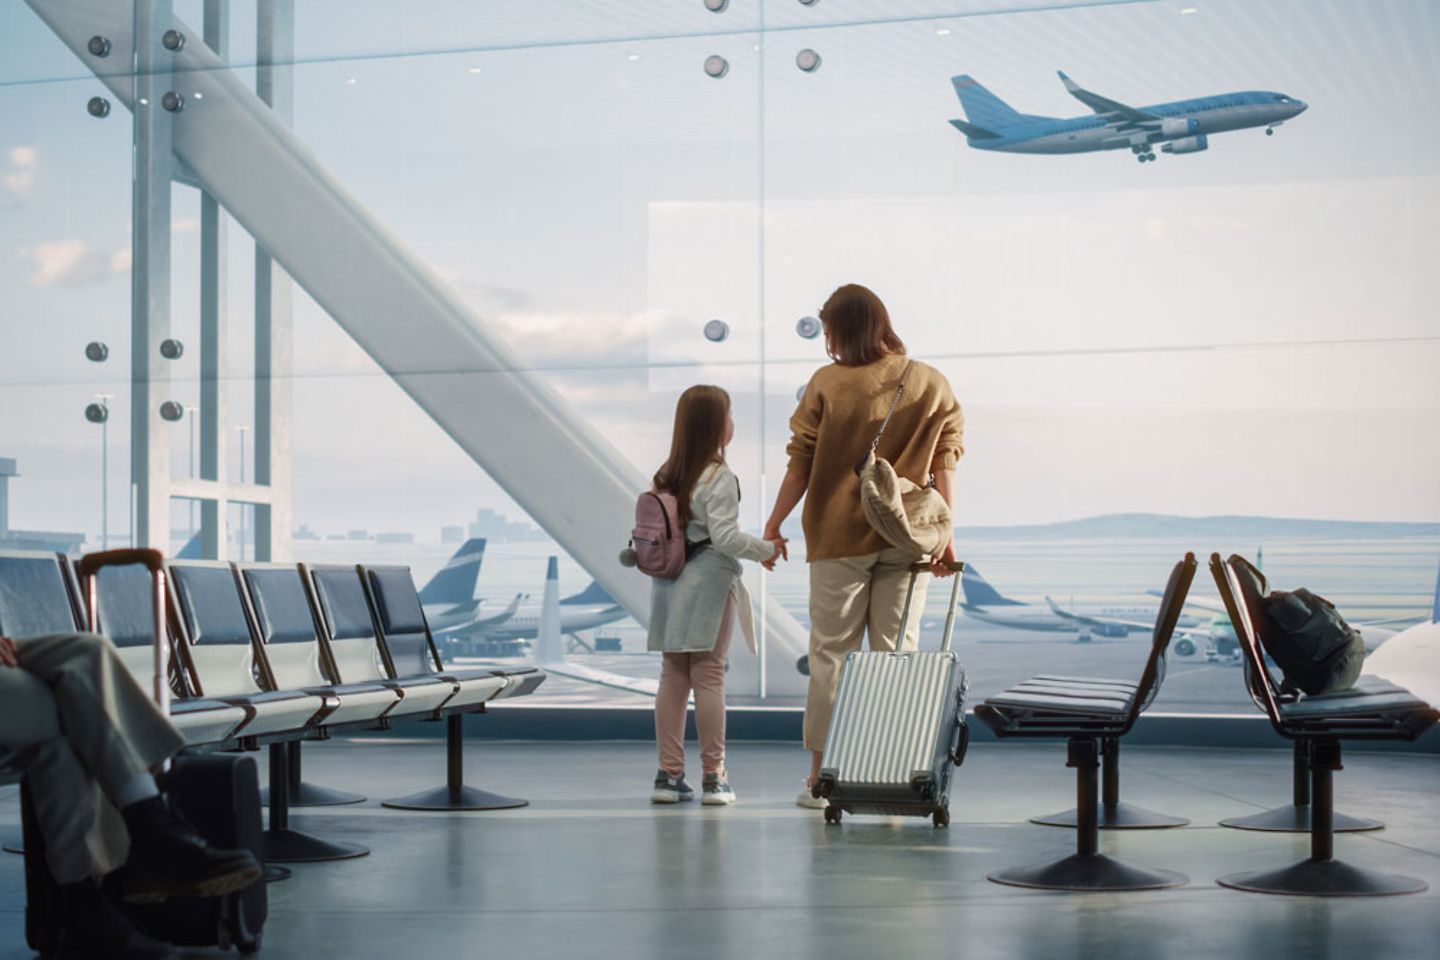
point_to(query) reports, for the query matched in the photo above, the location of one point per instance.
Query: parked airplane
(1183, 126)
(586, 610)
(550, 641)
(983, 602)
(1411, 659)
(1222, 645)
(449, 597)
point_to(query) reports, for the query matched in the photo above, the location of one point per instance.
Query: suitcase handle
(958, 568)
(154, 562)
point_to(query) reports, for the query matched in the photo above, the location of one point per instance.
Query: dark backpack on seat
(1312, 644)
(1302, 633)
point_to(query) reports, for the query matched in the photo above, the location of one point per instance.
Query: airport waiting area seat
(373, 619)
(1373, 709)
(1091, 713)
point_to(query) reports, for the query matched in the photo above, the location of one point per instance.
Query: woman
(857, 581)
(693, 616)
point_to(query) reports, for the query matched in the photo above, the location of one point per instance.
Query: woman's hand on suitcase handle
(7, 653)
(944, 565)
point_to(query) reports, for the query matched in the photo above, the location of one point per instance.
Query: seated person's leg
(67, 810)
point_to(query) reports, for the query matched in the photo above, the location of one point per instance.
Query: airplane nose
(1300, 107)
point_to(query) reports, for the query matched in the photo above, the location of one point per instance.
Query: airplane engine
(1178, 127)
(1185, 647)
(1110, 630)
(1188, 144)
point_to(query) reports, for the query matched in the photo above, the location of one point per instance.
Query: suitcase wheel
(940, 817)
(832, 814)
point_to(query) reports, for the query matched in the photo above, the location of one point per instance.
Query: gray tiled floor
(590, 869)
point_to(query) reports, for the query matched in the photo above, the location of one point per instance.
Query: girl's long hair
(700, 417)
(857, 327)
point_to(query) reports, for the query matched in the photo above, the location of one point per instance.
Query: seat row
(1092, 714)
(263, 654)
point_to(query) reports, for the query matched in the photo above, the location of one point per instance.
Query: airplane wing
(1094, 621)
(1117, 114)
(604, 678)
(502, 616)
(1199, 603)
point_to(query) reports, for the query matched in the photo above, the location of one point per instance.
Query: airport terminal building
(346, 348)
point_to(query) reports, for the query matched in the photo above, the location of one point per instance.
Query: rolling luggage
(898, 728)
(218, 793)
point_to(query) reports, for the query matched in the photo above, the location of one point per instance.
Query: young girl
(693, 616)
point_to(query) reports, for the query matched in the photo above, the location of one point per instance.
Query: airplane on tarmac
(550, 644)
(1182, 126)
(1222, 645)
(1411, 659)
(983, 602)
(586, 610)
(449, 598)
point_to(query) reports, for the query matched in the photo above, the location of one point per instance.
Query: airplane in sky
(983, 602)
(1183, 126)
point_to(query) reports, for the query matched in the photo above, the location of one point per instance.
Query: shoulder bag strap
(899, 391)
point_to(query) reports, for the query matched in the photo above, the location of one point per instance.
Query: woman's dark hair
(700, 417)
(857, 327)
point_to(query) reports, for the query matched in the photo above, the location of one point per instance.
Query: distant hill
(1164, 526)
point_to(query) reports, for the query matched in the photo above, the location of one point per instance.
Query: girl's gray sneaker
(716, 790)
(670, 789)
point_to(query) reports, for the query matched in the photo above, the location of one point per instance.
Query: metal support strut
(1087, 868)
(1321, 875)
(1294, 817)
(286, 845)
(304, 794)
(455, 795)
(1114, 813)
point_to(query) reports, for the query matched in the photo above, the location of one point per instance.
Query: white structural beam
(457, 367)
(150, 274)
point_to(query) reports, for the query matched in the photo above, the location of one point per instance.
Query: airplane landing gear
(1143, 154)
(1269, 131)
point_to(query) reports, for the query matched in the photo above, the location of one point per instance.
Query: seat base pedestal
(461, 798)
(274, 873)
(285, 845)
(1093, 871)
(1296, 819)
(1324, 878)
(15, 844)
(1117, 816)
(314, 795)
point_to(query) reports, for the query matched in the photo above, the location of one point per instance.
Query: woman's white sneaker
(670, 789)
(809, 801)
(716, 790)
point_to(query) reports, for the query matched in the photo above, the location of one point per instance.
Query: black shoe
(93, 928)
(169, 858)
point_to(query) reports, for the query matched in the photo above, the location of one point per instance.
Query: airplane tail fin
(455, 583)
(984, 111)
(549, 644)
(979, 593)
(591, 595)
(192, 550)
(1435, 609)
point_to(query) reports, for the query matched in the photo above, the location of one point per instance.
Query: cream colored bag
(905, 514)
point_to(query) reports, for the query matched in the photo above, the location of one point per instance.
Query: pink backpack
(657, 543)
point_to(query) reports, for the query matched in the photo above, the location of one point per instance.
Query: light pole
(244, 429)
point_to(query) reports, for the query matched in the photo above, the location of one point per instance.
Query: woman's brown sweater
(831, 429)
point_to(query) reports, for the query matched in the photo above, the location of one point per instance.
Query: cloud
(67, 263)
(19, 177)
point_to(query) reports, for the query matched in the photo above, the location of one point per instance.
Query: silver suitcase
(898, 728)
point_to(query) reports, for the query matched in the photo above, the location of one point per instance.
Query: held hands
(7, 653)
(781, 552)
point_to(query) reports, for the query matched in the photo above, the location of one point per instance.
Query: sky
(1246, 330)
